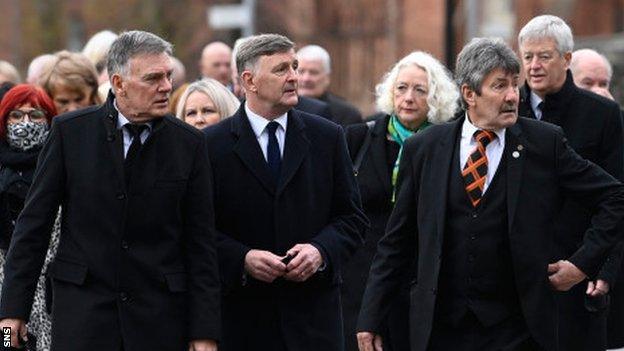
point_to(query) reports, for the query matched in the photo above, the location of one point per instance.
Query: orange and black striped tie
(476, 167)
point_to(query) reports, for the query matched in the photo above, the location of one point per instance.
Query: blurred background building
(364, 37)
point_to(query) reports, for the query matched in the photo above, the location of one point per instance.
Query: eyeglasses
(33, 115)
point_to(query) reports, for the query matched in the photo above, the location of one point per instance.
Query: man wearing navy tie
(287, 210)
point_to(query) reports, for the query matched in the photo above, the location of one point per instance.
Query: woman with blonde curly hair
(417, 92)
(71, 81)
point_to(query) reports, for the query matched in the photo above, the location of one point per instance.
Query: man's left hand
(563, 275)
(599, 288)
(203, 345)
(307, 260)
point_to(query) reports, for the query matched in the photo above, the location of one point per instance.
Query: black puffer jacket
(16, 174)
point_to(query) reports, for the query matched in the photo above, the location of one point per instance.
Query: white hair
(443, 94)
(548, 26)
(96, 49)
(10, 72)
(35, 67)
(315, 52)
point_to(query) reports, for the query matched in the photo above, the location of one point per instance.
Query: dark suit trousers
(470, 335)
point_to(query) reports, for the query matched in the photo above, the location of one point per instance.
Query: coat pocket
(67, 271)
(176, 282)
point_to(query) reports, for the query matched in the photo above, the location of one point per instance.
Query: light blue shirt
(259, 124)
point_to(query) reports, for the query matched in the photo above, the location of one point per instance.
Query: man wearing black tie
(475, 201)
(593, 126)
(287, 210)
(136, 267)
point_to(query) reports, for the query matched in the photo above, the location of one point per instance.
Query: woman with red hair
(26, 113)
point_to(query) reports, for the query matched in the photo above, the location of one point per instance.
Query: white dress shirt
(535, 101)
(493, 151)
(127, 137)
(259, 124)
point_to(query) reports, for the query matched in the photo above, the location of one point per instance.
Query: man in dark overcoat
(475, 203)
(287, 209)
(136, 267)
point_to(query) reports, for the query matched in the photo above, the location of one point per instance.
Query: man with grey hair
(288, 212)
(136, 267)
(477, 221)
(593, 126)
(592, 71)
(314, 80)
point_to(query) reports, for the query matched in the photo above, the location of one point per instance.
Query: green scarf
(399, 133)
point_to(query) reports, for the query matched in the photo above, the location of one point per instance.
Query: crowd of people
(254, 209)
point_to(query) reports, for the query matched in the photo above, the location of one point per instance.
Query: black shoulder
(90, 110)
(182, 126)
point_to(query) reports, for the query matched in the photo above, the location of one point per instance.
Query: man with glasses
(593, 127)
(136, 264)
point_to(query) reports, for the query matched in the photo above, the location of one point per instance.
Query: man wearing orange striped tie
(474, 210)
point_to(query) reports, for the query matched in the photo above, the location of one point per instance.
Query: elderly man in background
(314, 80)
(592, 71)
(216, 61)
(593, 126)
(136, 266)
(287, 209)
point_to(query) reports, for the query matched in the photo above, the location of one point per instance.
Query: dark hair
(22, 94)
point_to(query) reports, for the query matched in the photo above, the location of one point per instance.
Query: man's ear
(117, 84)
(567, 57)
(248, 82)
(468, 95)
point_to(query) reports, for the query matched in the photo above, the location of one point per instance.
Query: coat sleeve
(31, 237)
(339, 239)
(396, 249)
(591, 185)
(201, 255)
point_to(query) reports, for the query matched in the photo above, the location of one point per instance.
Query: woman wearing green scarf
(418, 91)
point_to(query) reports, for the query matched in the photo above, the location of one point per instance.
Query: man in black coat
(593, 126)
(314, 80)
(136, 267)
(475, 202)
(287, 208)
(314, 107)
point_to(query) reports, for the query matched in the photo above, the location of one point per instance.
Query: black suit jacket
(545, 171)
(342, 112)
(316, 201)
(137, 264)
(593, 126)
(314, 107)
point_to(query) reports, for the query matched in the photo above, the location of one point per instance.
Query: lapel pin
(515, 154)
(520, 147)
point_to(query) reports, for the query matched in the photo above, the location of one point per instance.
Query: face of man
(313, 78)
(544, 67)
(271, 90)
(216, 63)
(496, 107)
(590, 73)
(144, 93)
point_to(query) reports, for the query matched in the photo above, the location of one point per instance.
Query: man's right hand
(369, 342)
(264, 265)
(17, 326)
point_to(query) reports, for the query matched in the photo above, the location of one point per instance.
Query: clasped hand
(266, 266)
(563, 275)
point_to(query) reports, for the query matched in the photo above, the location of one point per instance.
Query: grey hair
(443, 93)
(578, 53)
(315, 52)
(548, 26)
(480, 57)
(96, 49)
(131, 44)
(250, 50)
(10, 72)
(225, 102)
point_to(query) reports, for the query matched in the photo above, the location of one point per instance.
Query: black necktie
(132, 156)
(274, 159)
(540, 107)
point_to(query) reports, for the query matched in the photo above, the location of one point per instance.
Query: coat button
(124, 245)
(475, 215)
(121, 196)
(123, 296)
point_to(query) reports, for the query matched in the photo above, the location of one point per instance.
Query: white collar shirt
(259, 126)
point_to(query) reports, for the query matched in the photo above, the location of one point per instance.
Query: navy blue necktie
(274, 159)
(130, 163)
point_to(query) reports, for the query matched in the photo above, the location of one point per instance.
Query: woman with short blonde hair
(206, 102)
